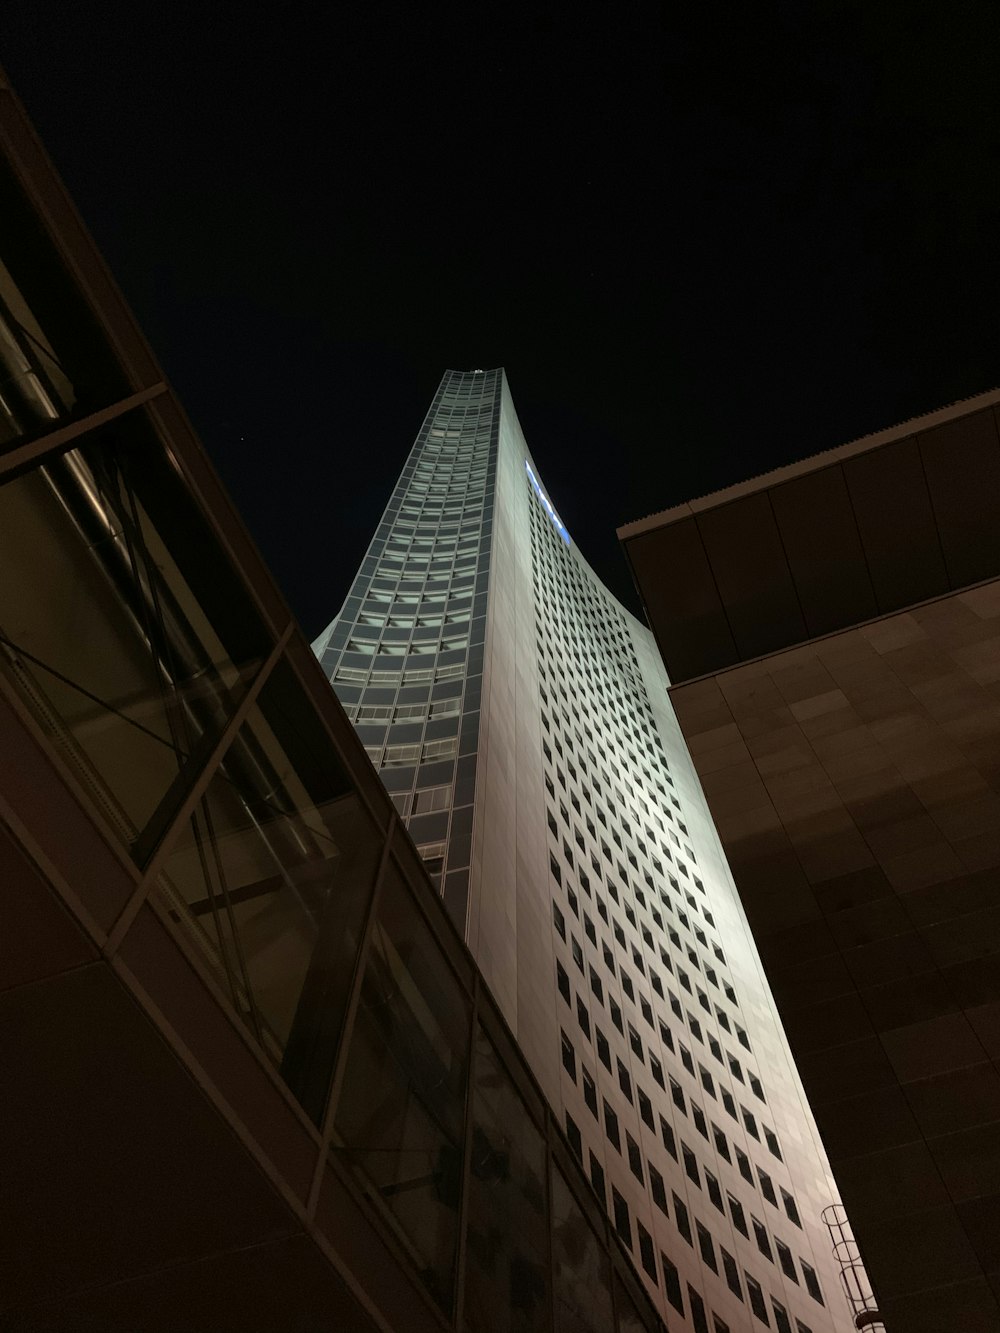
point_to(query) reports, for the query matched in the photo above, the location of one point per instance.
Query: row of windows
(391, 756)
(647, 971)
(741, 1283)
(620, 724)
(410, 676)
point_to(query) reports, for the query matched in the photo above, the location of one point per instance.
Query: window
(677, 1095)
(812, 1281)
(646, 1252)
(624, 1082)
(743, 1162)
(603, 1049)
(732, 1273)
(562, 981)
(657, 1069)
(790, 1207)
(737, 1214)
(634, 1157)
(590, 1093)
(559, 920)
(568, 1056)
(582, 1017)
(672, 1282)
(657, 1189)
(714, 1192)
(766, 1188)
(781, 1321)
(622, 1224)
(611, 1128)
(760, 1234)
(785, 1259)
(597, 1179)
(757, 1300)
(573, 1134)
(667, 1135)
(645, 1108)
(690, 1164)
(681, 1218)
(772, 1143)
(721, 1143)
(698, 1320)
(706, 1247)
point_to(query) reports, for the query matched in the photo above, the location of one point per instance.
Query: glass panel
(627, 1315)
(506, 1260)
(121, 621)
(272, 875)
(55, 361)
(402, 1108)
(580, 1267)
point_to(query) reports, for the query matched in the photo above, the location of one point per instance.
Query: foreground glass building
(253, 1079)
(519, 718)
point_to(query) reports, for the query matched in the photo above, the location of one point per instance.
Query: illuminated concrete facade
(519, 717)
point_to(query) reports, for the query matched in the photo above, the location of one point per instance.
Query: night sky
(704, 239)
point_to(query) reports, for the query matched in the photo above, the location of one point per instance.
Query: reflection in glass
(272, 875)
(55, 361)
(627, 1315)
(401, 1112)
(580, 1266)
(506, 1258)
(121, 622)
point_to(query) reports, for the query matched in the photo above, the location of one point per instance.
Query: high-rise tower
(519, 717)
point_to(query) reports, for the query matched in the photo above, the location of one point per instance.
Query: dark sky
(704, 239)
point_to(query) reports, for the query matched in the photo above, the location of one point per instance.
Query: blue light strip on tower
(557, 521)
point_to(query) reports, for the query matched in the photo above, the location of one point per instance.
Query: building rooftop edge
(813, 463)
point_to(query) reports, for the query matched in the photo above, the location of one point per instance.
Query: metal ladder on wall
(857, 1288)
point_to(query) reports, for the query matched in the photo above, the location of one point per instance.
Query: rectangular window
(763, 1241)
(812, 1281)
(690, 1164)
(732, 1273)
(657, 1189)
(714, 1192)
(781, 1321)
(573, 1134)
(597, 1179)
(738, 1216)
(645, 1108)
(582, 1017)
(672, 1282)
(622, 1224)
(706, 1247)
(698, 1320)
(634, 1157)
(568, 1056)
(757, 1300)
(611, 1128)
(791, 1209)
(786, 1260)
(667, 1135)
(590, 1093)
(646, 1252)
(681, 1218)
(624, 1082)
(743, 1162)
(603, 1049)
